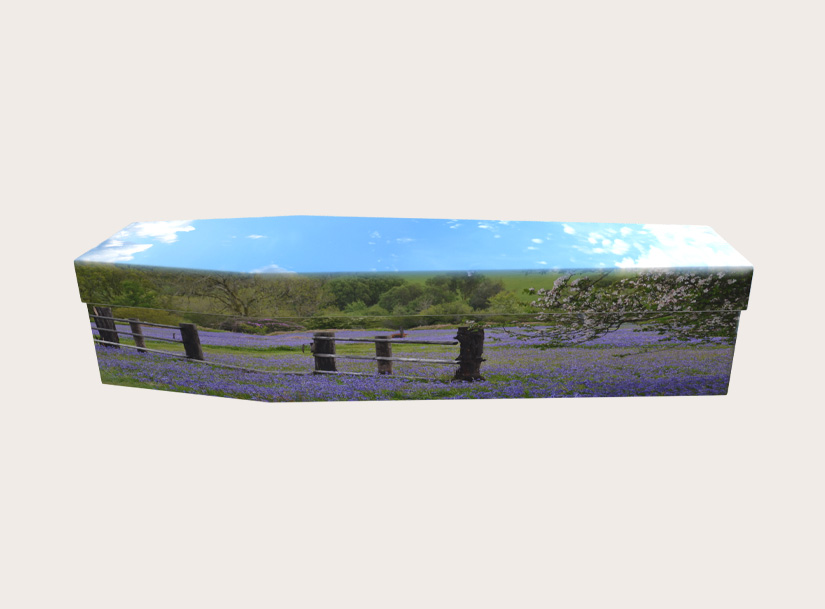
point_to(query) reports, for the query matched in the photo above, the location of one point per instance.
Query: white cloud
(496, 236)
(594, 237)
(532, 247)
(271, 268)
(455, 226)
(136, 238)
(606, 242)
(256, 236)
(115, 251)
(620, 247)
(537, 240)
(569, 229)
(541, 262)
(165, 232)
(625, 231)
(487, 226)
(655, 258)
(404, 240)
(375, 235)
(685, 246)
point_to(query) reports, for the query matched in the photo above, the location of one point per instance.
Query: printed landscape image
(616, 326)
(532, 348)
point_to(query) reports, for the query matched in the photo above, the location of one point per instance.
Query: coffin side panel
(681, 354)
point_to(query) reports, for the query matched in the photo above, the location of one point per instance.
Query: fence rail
(395, 376)
(141, 349)
(215, 364)
(400, 341)
(451, 362)
(142, 323)
(160, 338)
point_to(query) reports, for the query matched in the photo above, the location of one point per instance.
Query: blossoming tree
(680, 306)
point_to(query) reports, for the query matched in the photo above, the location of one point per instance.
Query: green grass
(122, 380)
(518, 282)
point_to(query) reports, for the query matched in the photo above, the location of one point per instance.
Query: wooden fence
(471, 348)
(110, 335)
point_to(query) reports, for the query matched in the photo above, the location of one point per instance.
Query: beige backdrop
(703, 113)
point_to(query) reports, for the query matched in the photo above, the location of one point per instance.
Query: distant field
(517, 283)
(514, 281)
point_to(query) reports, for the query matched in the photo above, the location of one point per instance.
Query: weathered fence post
(134, 324)
(324, 344)
(469, 357)
(383, 348)
(106, 327)
(191, 341)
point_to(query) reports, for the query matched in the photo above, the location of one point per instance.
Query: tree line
(322, 300)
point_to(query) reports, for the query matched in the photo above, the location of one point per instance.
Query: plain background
(688, 113)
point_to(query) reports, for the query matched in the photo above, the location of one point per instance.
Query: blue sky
(308, 244)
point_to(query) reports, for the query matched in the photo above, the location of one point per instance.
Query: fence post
(383, 349)
(134, 324)
(469, 357)
(106, 327)
(324, 344)
(191, 341)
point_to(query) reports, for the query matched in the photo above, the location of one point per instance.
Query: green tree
(133, 293)
(483, 291)
(401, 295)
(366, 288)
(111, 285)
(507, 303)
(446, 313)
(475, 288)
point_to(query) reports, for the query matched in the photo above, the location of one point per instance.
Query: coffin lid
(324, 248)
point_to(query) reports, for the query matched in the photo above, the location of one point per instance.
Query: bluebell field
(627, 362)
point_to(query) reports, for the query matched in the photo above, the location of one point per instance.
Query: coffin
(306, 308)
